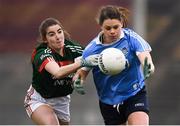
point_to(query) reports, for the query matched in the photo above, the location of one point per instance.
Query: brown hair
(47, 23)
(113, 12)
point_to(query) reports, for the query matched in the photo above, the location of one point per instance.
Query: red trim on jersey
(33, 54)
(29, 110)
(47, 60)
(27, 102)
(64, 63)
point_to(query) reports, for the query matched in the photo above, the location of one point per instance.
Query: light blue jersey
(117, 88)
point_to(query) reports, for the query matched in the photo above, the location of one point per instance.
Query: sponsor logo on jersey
(62, 82)
(139, 104)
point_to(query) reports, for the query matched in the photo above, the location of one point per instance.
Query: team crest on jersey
(125, 51)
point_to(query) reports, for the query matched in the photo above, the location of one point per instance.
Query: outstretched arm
(59, 72)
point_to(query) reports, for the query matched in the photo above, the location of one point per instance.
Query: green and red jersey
(42, 80)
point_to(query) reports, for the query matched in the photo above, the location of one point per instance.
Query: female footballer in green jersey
(54, 62)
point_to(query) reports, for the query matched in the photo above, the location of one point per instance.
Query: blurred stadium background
(157, 21)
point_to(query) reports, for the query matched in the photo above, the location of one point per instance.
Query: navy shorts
(118, 114)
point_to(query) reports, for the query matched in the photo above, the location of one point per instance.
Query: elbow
(58, 75)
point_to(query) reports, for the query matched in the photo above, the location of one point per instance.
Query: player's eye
(51, 34)
(60, 31)
(116, 27)
(108, 28)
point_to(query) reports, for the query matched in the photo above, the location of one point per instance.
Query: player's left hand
(78, 86)
(147, 70)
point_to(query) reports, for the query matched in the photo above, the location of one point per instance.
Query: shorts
(118, 114)
(60, 105)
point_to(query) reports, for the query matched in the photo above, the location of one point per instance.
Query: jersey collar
(97, 39)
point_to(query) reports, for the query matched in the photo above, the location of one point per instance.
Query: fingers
(145, 61)
(77, 83)
(93, 59)
(80, 90)
(78, 86)
(90, 61)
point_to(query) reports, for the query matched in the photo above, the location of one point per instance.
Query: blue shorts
(118, 114)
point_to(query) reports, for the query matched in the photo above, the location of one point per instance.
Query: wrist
(82, 63)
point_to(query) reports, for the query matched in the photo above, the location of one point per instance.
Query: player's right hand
(90, 61)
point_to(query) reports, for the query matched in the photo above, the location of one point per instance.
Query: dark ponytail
(125, 13)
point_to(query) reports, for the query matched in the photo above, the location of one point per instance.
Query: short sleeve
(41, 58)
(138, 43)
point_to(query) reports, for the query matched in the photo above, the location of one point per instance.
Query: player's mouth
(114, 37)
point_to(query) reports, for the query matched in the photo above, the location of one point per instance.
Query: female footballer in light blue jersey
(122, 97)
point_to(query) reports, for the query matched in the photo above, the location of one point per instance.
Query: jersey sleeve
(138, 43)
(41, 58)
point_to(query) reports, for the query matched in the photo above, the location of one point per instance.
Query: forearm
(147, 64)
(142, 56)
(65, 70)
(60, 72)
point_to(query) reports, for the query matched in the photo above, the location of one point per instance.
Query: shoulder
(129, 32)
(132, 34)
(41, 51)
(90, 45)
(136, 41)
(91, 48)
(93, 43)
(74, 47)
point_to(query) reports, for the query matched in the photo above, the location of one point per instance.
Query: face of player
(111, 29)
(55, 37)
